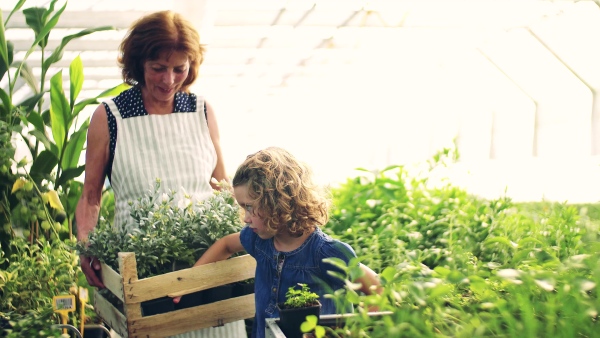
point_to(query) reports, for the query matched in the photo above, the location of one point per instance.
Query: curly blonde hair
(283, 192)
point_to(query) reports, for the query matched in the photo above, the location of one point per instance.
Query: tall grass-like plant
(38, 194)
(55, 136)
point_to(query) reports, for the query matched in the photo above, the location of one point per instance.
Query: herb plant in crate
(167, 236)
(297, 306)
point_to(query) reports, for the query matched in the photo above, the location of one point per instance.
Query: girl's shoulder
(331, 247)
(251, 242)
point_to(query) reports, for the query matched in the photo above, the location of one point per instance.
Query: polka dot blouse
(130, 105)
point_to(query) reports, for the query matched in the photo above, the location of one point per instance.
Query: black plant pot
(291, 319)
(243, 288)
(190, 300)
(95, 331)
(218, 293)
(157, 306)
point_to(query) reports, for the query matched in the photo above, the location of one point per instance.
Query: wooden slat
(191, 280)
(190, 319)
(128, 269)
(110, 315)
(112, 280)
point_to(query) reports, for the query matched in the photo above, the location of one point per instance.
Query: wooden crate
(133, 291)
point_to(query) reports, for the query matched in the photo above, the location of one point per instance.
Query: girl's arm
(370, 284)
(222, 249)
(369, 281)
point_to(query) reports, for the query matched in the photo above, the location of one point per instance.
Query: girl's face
(251, 217)
(165, 76)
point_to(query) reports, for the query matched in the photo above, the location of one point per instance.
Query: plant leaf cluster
(457, 265)
(36, 273)
(47, 120)
(299, 298)
(165, 233)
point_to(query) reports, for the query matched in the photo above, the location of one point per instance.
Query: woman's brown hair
(163, 31)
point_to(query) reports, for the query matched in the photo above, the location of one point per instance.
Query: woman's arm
(219, 173)
(88, 207)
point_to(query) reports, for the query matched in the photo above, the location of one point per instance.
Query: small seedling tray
(272, 329)
(131, 291)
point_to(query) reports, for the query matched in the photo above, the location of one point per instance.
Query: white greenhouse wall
(515, 82)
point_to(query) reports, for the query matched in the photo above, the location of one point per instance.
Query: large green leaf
(76, 77)
(58, 51)
(45, 30)
(69, 174)
(74, 147)
(34, 17)
(3, 49)
(29, 104)
(26, 74)
(43, 164)
(75, 190)
(41, 136)
(59, 110)
(114, 91)
(6, 53)
(82, 104)
(15, 9)
(50, 10)
(6, 104)
(36, 120)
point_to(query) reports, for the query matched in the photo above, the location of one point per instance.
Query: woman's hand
(92, 269)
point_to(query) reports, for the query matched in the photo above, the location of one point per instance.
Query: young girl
(283, 212)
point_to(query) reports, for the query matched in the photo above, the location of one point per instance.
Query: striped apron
(177, 149)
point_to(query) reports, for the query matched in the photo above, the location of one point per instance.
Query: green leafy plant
(457, 265)
(36, 273)
(303, 297)
(311, 325)
(165, 233)
(54, 134)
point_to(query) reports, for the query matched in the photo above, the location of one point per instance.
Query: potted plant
(168, 236)
(299, 303)
(244, 287)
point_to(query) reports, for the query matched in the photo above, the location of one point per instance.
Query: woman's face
(165, 75)
(251, 217)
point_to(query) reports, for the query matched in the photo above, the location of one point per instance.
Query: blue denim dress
(303, 265)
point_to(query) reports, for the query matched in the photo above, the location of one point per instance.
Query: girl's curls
(282, 191)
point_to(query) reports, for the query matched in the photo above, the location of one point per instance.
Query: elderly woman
(155, 129)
